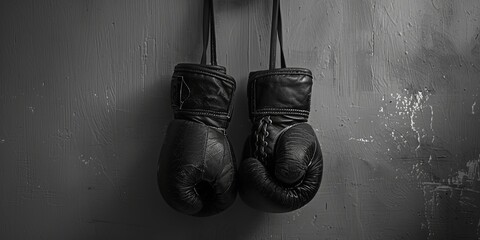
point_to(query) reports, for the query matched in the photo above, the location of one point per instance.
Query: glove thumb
(294, 151)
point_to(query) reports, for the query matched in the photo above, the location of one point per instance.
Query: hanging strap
(276, 30)
(209, 27)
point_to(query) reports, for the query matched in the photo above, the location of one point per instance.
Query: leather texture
(196, 170)
(282, 164)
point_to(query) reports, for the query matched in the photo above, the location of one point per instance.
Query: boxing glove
(282, 165)
(196, 169)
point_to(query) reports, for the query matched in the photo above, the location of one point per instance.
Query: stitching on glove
(279, 113)
(285, 109)
(286, 72)
(205, 112)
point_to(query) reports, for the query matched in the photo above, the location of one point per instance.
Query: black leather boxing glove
(282, 165)
(196, 169)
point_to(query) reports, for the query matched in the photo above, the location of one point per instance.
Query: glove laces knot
(260, 134)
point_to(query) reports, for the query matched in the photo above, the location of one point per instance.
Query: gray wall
(84, 105)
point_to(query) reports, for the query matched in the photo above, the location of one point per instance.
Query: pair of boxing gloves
(281, 167)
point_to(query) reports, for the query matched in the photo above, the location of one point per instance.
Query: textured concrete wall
(84, 105)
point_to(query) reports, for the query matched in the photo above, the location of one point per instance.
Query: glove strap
(208, 27)
(276, 30)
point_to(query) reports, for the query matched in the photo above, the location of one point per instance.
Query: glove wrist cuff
(202, 93)
(283, 91)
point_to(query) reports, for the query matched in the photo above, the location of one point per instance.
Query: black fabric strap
(209, 27)
(276, 30)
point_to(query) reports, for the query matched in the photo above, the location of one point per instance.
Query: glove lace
(260, 134)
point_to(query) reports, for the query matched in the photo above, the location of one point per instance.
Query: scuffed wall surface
(84, 105)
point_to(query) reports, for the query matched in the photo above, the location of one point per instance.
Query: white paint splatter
(431, 123)
(416, 107)
(32, 109)
(473, 171)
(362, 139)
(468, 175)
(408, 109)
